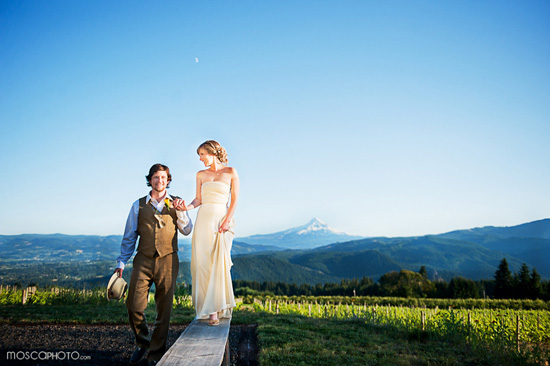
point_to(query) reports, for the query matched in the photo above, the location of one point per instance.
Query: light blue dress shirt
(129, 239)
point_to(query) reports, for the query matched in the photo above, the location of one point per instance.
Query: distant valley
(312, 253)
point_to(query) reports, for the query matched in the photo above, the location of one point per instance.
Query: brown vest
(151, 237)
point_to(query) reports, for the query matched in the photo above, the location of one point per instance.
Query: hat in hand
(116, 287)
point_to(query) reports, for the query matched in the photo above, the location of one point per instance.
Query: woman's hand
(179, 205)
(224, 227)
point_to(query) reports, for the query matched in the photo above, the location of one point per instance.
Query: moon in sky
(196, 59)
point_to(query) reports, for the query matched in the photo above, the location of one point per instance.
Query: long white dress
(212, 290)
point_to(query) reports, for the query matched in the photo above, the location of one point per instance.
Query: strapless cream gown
(212, 290)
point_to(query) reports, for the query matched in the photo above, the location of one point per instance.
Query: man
(155, 219)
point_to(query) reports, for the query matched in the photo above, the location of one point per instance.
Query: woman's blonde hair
(214, 148)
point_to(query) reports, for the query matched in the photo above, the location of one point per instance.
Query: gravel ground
(88, 345)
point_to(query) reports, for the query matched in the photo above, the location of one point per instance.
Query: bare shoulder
(201, 173)
(231, 171)
(201, 177)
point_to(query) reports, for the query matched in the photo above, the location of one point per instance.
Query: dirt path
(88, 345)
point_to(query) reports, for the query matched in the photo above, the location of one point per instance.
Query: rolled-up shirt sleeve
(184, 222)
(128, 244)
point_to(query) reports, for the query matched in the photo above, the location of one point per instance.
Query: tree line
(525, 284)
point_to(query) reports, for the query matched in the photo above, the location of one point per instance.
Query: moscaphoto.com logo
(45, 356)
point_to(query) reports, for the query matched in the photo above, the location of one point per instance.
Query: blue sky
(381, 118)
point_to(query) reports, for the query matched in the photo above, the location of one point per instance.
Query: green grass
(290, 339)
(299, 340)
(110, 313)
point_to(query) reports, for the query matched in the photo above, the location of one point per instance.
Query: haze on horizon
(390, 119)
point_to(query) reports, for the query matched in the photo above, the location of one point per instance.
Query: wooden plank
(226, 359)
(200, 344)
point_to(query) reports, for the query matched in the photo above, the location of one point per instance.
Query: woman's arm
(198, 198)
(234, 197)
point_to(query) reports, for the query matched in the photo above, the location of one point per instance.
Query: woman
(213, 235)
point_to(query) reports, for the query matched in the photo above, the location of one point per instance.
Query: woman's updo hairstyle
(214, 148)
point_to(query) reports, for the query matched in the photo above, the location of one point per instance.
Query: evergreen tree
(523, 282)
(442, 289)
(535, 288)
(486, 288)
(463, 288)
(545, 290)
(503, 281)
(423, 272)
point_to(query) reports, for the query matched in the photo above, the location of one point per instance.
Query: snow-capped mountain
(314, 234)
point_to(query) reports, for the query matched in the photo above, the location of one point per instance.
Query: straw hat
(116, 287)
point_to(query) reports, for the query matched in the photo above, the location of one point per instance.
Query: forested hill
(473, 254)
(58, 247)
(79, 248)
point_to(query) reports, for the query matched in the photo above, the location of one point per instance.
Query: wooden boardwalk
(200, 344)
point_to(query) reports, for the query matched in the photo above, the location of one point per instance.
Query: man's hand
(179, 204)
(119, 271)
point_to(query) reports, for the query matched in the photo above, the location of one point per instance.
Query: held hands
(179, 205)
(119, 271)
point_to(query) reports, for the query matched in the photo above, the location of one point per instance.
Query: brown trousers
(163, 272)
